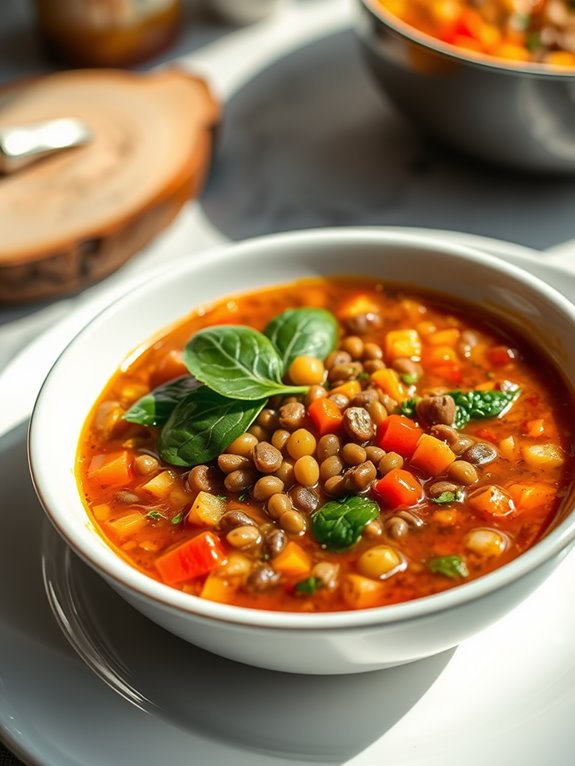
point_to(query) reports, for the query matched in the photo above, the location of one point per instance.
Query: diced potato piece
(447, 337)
(350, 389)
(161, 485)
(432, 455)
(361, 592)
(219, 589)
(446, 517)
(127, 525)
(402, 344)
(108, 418)
(293, 561)
(207, 510)
(111, 469)
(102, 512)
(237, 565)
(150, 546)
(534, 428)
(542, 455)
(508, 447)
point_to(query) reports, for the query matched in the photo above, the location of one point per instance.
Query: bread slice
(74, 217)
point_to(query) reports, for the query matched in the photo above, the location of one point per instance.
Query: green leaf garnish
(177, 519)
(308, 586)
(409, 378)
(449, 566)
(339, 524)
(155, 408)
(449, 497)
(156, 515)
(477, 405)
(203, 424)
(303, 332)
(237, 362)
(408, 407)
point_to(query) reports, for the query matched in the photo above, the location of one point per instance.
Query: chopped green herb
(449, 566)
(449, 497)
(409, 378)
(156, 515)
(408, 407)
(363, 375)
(533, 40)
(177, 518)
(245, 496)
(308, 586)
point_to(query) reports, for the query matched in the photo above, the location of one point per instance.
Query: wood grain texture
(75, 217)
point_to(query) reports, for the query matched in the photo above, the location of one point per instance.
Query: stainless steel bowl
(522, 116)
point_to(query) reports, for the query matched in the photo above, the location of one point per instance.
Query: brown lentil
(243, 445)
(335, 486)
(267, 486)
(374, 453)
(361, 476)
(337, 357)
(339, 399)
(238, 481)
(278, 504)
(437, 409)
(439, 487)
(260, 433)
(480, 453)
(463, 472)
(405, 366)
(373, 365)
(314, 393)
(293, 522)
(328, 445)
(372, 351)
(306, 371)
(396, 527)
(268, 419)
(263, 577)
(331, 466)
(358, 424)
(364, 398)
(327, 572)
(285, 472)
(146, 464)
(203, 478)
(304, 498)
(266, 457)
(353, 454)
(279, 438)
(275, 541)
(244, 537)
(374, 529)
(306, 471)
(388, 462)
(232, 519)
(354, 346)
(301, 442)
(377, 412)
(292, 416)
(228, 462)
(347, 371)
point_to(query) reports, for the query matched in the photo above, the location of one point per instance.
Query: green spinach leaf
(155, 408)
(308, 586)
(339, 524)
(449, 497)
(408, 407)
(476, 405)
(303, 332)
(238, 362)
(203, 424)
(449, 566)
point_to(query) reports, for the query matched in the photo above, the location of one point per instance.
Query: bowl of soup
(494, 79)
(319, 452)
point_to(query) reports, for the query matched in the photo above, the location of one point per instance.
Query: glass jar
(112, 33)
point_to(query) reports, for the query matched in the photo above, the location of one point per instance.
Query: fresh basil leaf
(449, 497)
(203, 424)
(308, 586)
(339, 524)
(408, 407)
(303, 332)
(155, 408)
(238, 362)
(477, 405)
(449, 566)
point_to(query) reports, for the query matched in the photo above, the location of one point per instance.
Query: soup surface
(340, 444)
(540, 31)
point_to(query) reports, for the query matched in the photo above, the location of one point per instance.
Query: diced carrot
(350, 389)
(361, 592)
(432, 455)
(359, 304)
(399, 487)
(530, 497)
(500, 356)
(389, 382)
(491, 501)
(293, 561)
(413, 310)
(206, 510)
(542, 455)
(488, 385)
(440, 356)
(488, 434)
(447, 337)
(192, 558)
(426, 328)
(534, 428)
(326, 416)
(402, 344)
(112, 469)
(398, 434)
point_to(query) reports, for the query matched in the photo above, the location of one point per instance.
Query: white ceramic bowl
(342, 642)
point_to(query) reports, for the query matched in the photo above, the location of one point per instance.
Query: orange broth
(460, 348)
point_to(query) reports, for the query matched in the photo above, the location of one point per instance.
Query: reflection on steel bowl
(516, 113)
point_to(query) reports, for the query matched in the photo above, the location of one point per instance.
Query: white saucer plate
(138, 695)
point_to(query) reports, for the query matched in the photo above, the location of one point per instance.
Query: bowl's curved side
(504, 115)
(73, 385)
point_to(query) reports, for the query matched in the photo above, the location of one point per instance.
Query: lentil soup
(326, 445)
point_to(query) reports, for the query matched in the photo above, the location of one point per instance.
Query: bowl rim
(432, 44)
(114, 568)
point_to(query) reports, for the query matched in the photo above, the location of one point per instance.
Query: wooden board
(75, 217)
